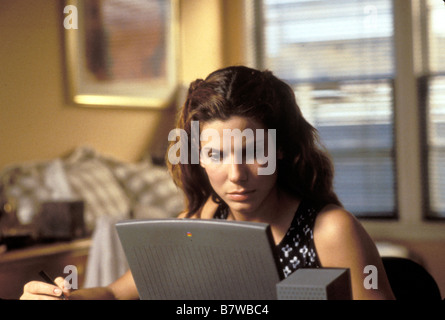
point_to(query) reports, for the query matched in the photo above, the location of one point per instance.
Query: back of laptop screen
(200, 259)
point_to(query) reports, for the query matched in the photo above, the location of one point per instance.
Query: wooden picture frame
(121, 53)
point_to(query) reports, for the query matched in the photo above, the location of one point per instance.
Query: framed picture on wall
(121, 53)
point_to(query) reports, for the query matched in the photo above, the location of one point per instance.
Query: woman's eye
(214, 156)
(249, 156)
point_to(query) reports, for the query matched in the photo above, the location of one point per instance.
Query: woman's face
(229, 156)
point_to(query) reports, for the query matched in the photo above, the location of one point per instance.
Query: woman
(309, 226)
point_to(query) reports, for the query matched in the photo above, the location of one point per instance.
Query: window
(435, 107)
(338, 56)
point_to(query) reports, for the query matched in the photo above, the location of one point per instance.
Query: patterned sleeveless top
(297, 248)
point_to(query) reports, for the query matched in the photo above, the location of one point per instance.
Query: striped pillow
(93, 182)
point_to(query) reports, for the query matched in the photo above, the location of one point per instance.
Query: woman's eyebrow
(210, 147)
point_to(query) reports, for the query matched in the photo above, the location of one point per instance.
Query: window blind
(436, 108)
(338, 56)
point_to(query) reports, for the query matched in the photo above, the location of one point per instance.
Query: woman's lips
(241, 195)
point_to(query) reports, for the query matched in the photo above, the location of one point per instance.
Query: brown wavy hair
(305, 169)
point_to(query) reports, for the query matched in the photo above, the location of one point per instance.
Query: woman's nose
(238, 172)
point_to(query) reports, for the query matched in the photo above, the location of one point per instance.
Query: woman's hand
(37, 290)
(123, 288)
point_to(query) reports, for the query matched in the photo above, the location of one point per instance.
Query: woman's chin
(244, 208)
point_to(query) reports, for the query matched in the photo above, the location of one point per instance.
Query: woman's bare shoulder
(335, 225)
(342, 242)
(207, 211)
(333, 218)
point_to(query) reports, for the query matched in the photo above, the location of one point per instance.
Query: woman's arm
(123, 288)
(342, 242)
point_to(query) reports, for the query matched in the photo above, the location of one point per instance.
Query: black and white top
(297, 248)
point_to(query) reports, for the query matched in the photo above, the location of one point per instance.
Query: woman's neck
(277, 210)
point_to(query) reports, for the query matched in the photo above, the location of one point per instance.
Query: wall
(36, 123)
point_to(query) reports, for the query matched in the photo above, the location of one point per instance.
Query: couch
(111, 190)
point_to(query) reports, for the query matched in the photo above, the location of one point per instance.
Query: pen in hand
(48, 279)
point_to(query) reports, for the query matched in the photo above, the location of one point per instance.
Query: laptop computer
(188, 259)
